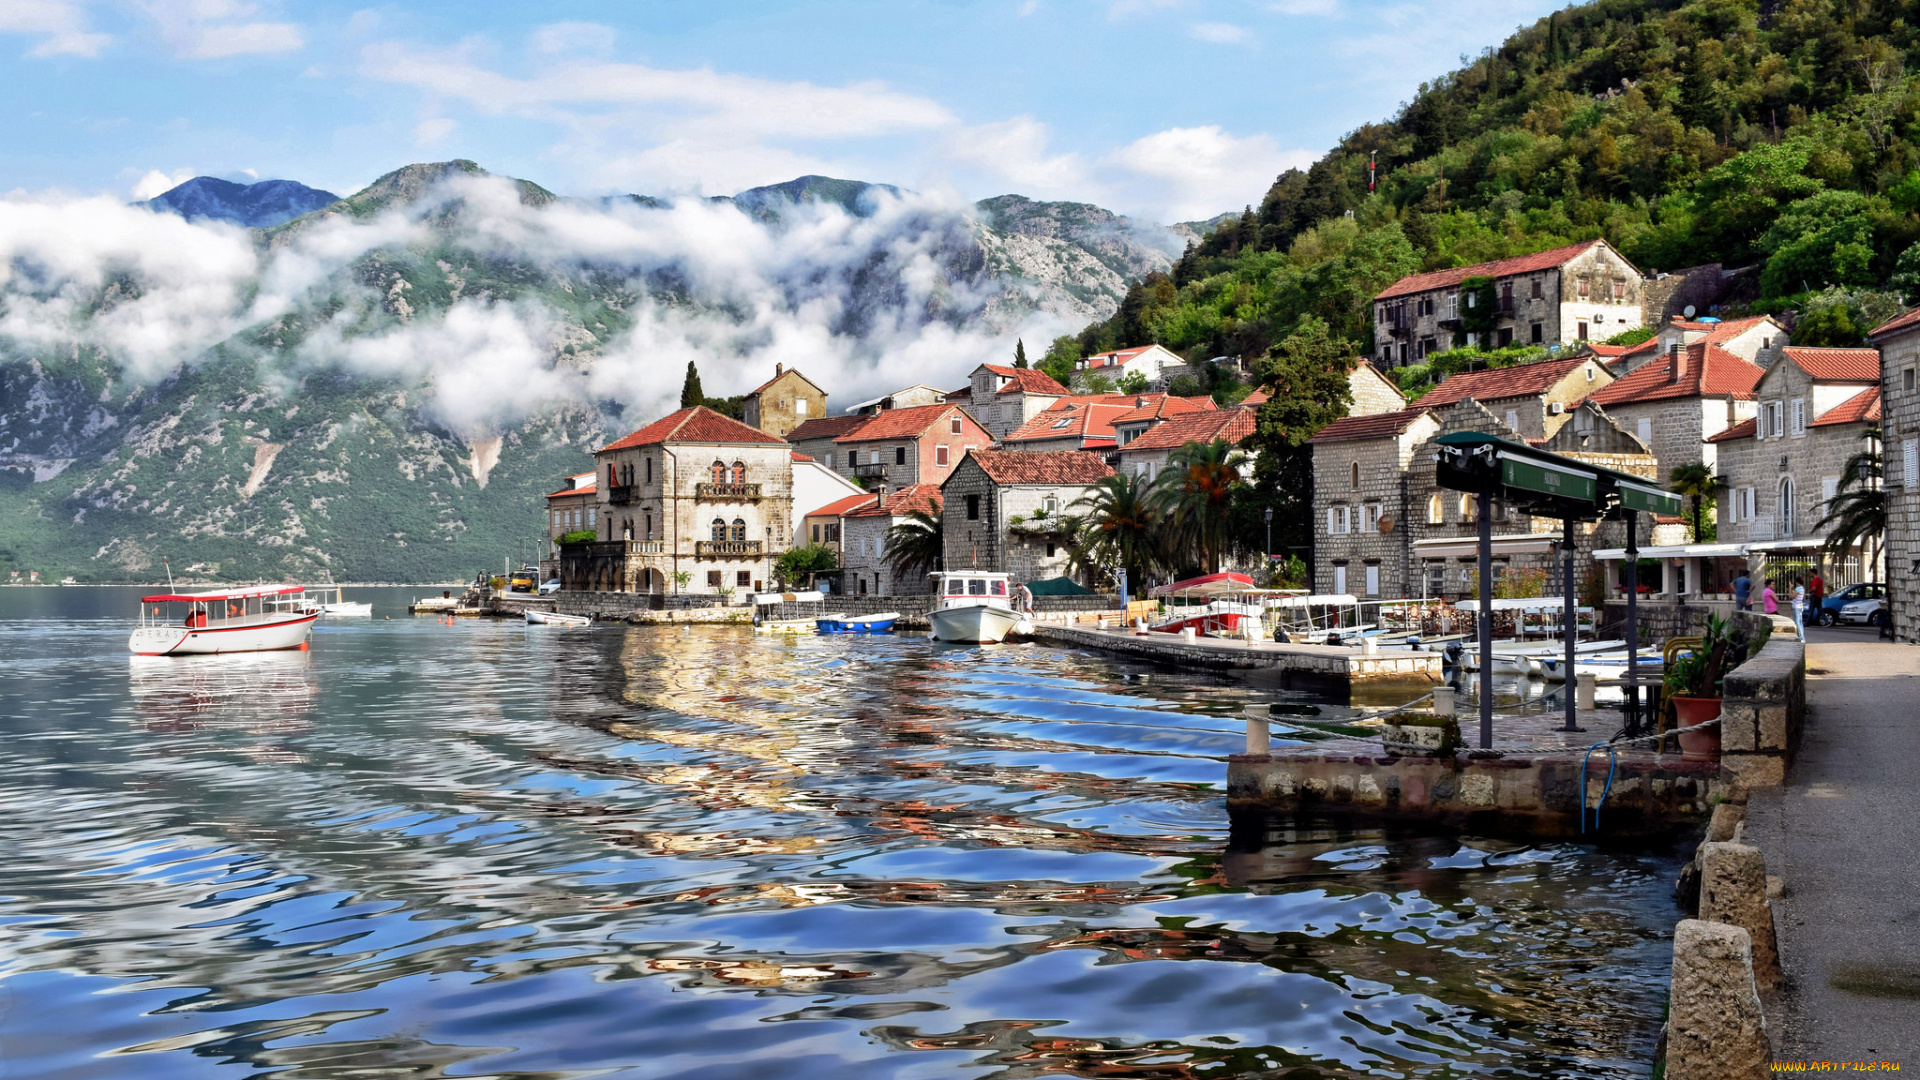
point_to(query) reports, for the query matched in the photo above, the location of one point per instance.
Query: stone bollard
(1715, 1030)
(1443, 701)
(1726, 817)
(1586, 682)
(1733, 890)
(1186, 634)
(1257, 730)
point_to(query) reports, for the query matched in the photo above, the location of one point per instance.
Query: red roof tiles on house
(1837, 365)
(843, 505)
(1026, 381)
(903, 423)
(1044, 467)
(1862, 408)
(1379, 425)
(1495, 384)
(1233, 425)
(924, 498)
(1162, 406)
(696, 425)
(1116, 357)
(1088, 419)
(826, 427)
(1742, 430)
(1709, 371)
(799, 457)
(584, 489)
(1899, 322)
(1523, 264)
(1255, 399)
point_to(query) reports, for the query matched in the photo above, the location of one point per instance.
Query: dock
(1328, 668)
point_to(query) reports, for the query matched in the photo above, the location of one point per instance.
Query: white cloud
(1306, 7)
(1219, 33)
(1029, 8)
(214, 29)
(1199, 171)
(574, 37)
(1120, 9)
(433, 129)
(156, 182)
(61, 26)
(1016, 151)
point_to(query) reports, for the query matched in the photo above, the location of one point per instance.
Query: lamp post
(1269, 517)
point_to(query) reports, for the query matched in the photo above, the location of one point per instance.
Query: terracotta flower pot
(1689, 711)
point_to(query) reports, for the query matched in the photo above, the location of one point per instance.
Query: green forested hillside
(1778, 134)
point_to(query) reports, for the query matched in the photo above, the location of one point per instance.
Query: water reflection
(426, 850)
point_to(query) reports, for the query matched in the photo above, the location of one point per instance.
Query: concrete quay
(1397, 674)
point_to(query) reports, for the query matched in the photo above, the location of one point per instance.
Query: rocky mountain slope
(256, 206)
(383, 388)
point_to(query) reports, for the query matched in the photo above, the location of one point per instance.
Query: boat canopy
(225, 594)
(1057, 586)
(787, 597)
(1210, 585)
(1317, 600)
(1527, 603)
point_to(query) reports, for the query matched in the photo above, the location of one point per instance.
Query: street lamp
(1269, 516)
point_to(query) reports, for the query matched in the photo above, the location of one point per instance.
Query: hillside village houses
(1898, 341)
(1757, 340)
(895, 448)
(998, 507)
(815, 485)
(863, 547)
(1002, 398)
(1148, 361)
(1072, 423)
(1679, 403)
(783, 402)
(1146, 456)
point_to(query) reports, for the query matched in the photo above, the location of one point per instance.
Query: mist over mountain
(382, 388)
(255, 206)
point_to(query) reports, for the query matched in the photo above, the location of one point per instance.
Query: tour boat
(257, 619)
(539, 617)
(1219, 615)
(879, 623)
(974, 607)
(342, 606)
(764, 623)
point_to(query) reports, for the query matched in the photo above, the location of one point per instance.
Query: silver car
(1865, 612)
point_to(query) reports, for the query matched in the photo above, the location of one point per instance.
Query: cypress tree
(690, 392)
(1019, 353)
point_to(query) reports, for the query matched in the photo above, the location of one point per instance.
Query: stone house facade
(1567, 295)
(1363, 477)
(1370, 391)
(814, 486)
(863, 551)
(903, 447)
(1678, 403)
(572, 508)
(1899, 343)
(1151, 362)
(1531, 399)
(904, 398)
(783, 402)
(815, 438)
(1782, 466)
(693, 493)
(992, 488)
(1002, 398)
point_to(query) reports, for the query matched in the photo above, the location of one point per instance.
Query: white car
(549, 586)
(1868, 612)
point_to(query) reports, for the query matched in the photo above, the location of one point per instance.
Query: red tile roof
(843, 505)
(795, 372)
(1861, 408)
(1255, 399)
(1116, 357)
(1899, 322)
(1045, 467)
(965, 393)
(1742, 430)
(826, 427)
(1709, 371)
(907, 423)
(1837, 365)
(1162, 406)
(1523, 264)
(1232, 425)
(1088, 420)
(799, 457)
(696, 425)
(1495, 384)
(1349, 428)
(1025, 381)
(584, 489)
(922, 497)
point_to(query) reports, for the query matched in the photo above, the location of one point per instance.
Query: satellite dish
(1689, 312)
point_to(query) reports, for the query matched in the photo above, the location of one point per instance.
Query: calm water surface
(423, 850)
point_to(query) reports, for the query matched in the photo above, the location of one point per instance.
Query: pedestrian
(1800, 611)
(1769, 603)
(1816, 597)
(1743, 592)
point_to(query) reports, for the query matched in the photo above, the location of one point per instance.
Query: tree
(1194, 497)
(1061, 357)
(690, 393)
(1019, 352)
(915, 546)
(1133, 382)
(799, 564)
(1857, 514)
(1697, 482)
(1306, 374)
(1120, 529)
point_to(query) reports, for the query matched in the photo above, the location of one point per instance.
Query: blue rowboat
(880, 623)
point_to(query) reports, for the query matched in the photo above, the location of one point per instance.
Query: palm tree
(1120, 529)
(915, 545)
(1858, 512)
(1697, 482)
(1193, 496)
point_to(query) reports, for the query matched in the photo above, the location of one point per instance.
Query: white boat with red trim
(1220, 614)
(975, 607)
(257, 619)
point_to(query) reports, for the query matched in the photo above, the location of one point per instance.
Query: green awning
(1057, 586)
(1546, 478)
(1648, 498)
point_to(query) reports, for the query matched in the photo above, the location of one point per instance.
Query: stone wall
(1669, 295)
(1762, 712)
(1382, 482)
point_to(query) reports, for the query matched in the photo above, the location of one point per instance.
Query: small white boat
(258, 619)
(765, 624)
(538, 617)
(1219, 615)
(342, 606)
(784, 626)
(974, 607)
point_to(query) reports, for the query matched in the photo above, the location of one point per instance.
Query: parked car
(1829, 612)
(1869, 612)
(549, 586)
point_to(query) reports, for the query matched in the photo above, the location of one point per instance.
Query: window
(816, 532)
(1436, 509)
(739, 472)
(956, 423)
(1771, 425)
(800, 406)
(719, 471)
(1797, 417)
(649, 470)
(1466, 508)
(833, 532)
(713, 579)
(1513, 419)
(1354, 476)
(873, 457)
(744, 579)
(1052, 506)
(1505, 336)
(899, 455)
(879, 547)
(1829, 488)
(853, 458)
(1619, 289)
(1537, 293)
(1644, 428)
(1785, 515)
(1050, 549)
(1339, 520)
(1584, 288)
(739, 530)
(1370, 518)
(1906, 379)
(719, 529)
(973, 508)
(1339, 579)
(649, 519)
(1373, 581)
(976, 586)
(1538, 335)
(1910, 463)
(1581, 331)
(940, 459)
(1436, 579)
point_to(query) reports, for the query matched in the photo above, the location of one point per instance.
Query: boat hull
(555, 618)
(287, 633)
(1219, 617)
(858, 624)
(785, 626)
(976, 624)
(350, 609)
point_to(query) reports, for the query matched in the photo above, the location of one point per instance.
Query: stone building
(1571, 294)
(1369, 391)
(815, 438)
(815, 485)
(1899, 343)
(863, 548)
(1072, 423)
(997, 505)
(573, 507)
(1782, 465)
(783, 402)
(903, 447)
(825, 524)
(1679, 402)
(1150, 410)
(1531, 399)
(904, 398)
(1146, 456)
(1364, 478)
(1002, 398)
(694, 493)
(1150, 362)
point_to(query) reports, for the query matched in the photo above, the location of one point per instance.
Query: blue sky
(1170, 109)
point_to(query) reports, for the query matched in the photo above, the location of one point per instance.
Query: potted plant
(1693, 685)
(1421, 735)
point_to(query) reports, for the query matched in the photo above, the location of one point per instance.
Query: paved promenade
(1844, 834)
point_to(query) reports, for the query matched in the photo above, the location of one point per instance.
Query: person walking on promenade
(1816, 596)
(1769, 603)
(1743, 592)
(1800, 611)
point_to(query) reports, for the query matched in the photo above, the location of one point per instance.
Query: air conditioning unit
(1555, 408)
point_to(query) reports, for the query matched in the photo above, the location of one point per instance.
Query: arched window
(719, 529)
(1436, 510)
(1355, 474)
(613, 478)
(1786, 508)
(719, 472)
(739, 472)
(739, 529)
(1466, 508)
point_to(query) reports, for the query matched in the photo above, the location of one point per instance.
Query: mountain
(383, 388)
(256, 206)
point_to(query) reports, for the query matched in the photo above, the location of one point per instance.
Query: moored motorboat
(541, 617)
(1219, 615)
(765, 623)
(258, 619)
(975, 607)
(879, 623)
(340, 605)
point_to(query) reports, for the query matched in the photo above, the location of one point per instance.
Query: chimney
(1676, 362)
(778, 369)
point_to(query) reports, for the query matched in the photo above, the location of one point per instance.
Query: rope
(1613, 761)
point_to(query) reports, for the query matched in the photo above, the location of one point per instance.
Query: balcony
(620, 495)
(613, 548)
(872, 470)
(1503, 307)
(726, 549)
(727, 492)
